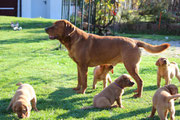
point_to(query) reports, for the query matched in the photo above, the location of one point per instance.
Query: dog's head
(60, 29)
(172, 89)
(162, 62)
(22, 109)
(106, 68)
(124, 81)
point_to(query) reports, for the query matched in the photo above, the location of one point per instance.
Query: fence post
(82, 13)
(94, 17)
(89, 12)
(69, 9)
(75, 12)
(62, 5)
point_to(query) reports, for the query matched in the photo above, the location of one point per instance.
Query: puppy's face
(125, 81)
(173, 89)
(59, 29)
(106, 68)
(21, 110)
(162, 62)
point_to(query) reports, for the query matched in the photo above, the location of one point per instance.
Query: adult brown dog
(166, 70)
(20, 103)
(89, 50)
(112, 93)
(101, 72)
(163, 101)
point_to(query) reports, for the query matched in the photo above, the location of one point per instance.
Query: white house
(51, 9)
(41, 8)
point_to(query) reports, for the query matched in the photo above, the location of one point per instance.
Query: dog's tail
(173, 97)
(89, 107)
(19, 84)
(153, 48)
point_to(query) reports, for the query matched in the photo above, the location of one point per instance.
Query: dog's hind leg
(153, 111)
(177, 73)
(94, 83)
(133, 71)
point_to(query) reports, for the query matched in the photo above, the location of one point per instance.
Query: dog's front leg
(158, 80)
(83, 69)
(167, 79)
(79, 80)
(119, 102)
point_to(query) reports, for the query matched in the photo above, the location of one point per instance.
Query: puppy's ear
(157, 63)
(173, 89)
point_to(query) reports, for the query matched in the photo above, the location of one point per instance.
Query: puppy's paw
(122, 107)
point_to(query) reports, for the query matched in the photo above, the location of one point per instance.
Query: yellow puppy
(21, 101)
(101, 72)
(112, 93)
(166, 70)
(163, 101)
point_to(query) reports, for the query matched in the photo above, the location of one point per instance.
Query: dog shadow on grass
(146, 88)
(63, 98)
(131, 114)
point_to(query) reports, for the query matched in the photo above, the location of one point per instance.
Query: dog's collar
(117, 85)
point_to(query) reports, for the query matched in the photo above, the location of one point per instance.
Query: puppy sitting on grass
(163, 101)
(21, 101)
(112, 93)
(166, 70)
(101, 72)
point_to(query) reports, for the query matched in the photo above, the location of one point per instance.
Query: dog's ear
(173, 89)
(157, 63)
(69, 29)
(14, 108)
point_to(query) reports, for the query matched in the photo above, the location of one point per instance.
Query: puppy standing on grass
(163, 101)
(166, 70)
(21, 101)
(101, 72)
(112, 93)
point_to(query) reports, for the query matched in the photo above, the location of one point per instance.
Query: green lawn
(28, 56)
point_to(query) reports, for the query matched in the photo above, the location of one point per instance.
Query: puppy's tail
(173, 97)
(153, 48)
(89, 107)
(19, 84)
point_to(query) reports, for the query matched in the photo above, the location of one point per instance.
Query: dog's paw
(80, 92)
(77, 88)
(137, 95)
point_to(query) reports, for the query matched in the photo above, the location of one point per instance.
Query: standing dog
(21, 101)
(112, 93)
(101, 73)
(166, 70)
(89, 50)
(163, 101)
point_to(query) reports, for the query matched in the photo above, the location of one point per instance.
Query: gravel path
(173, 51)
